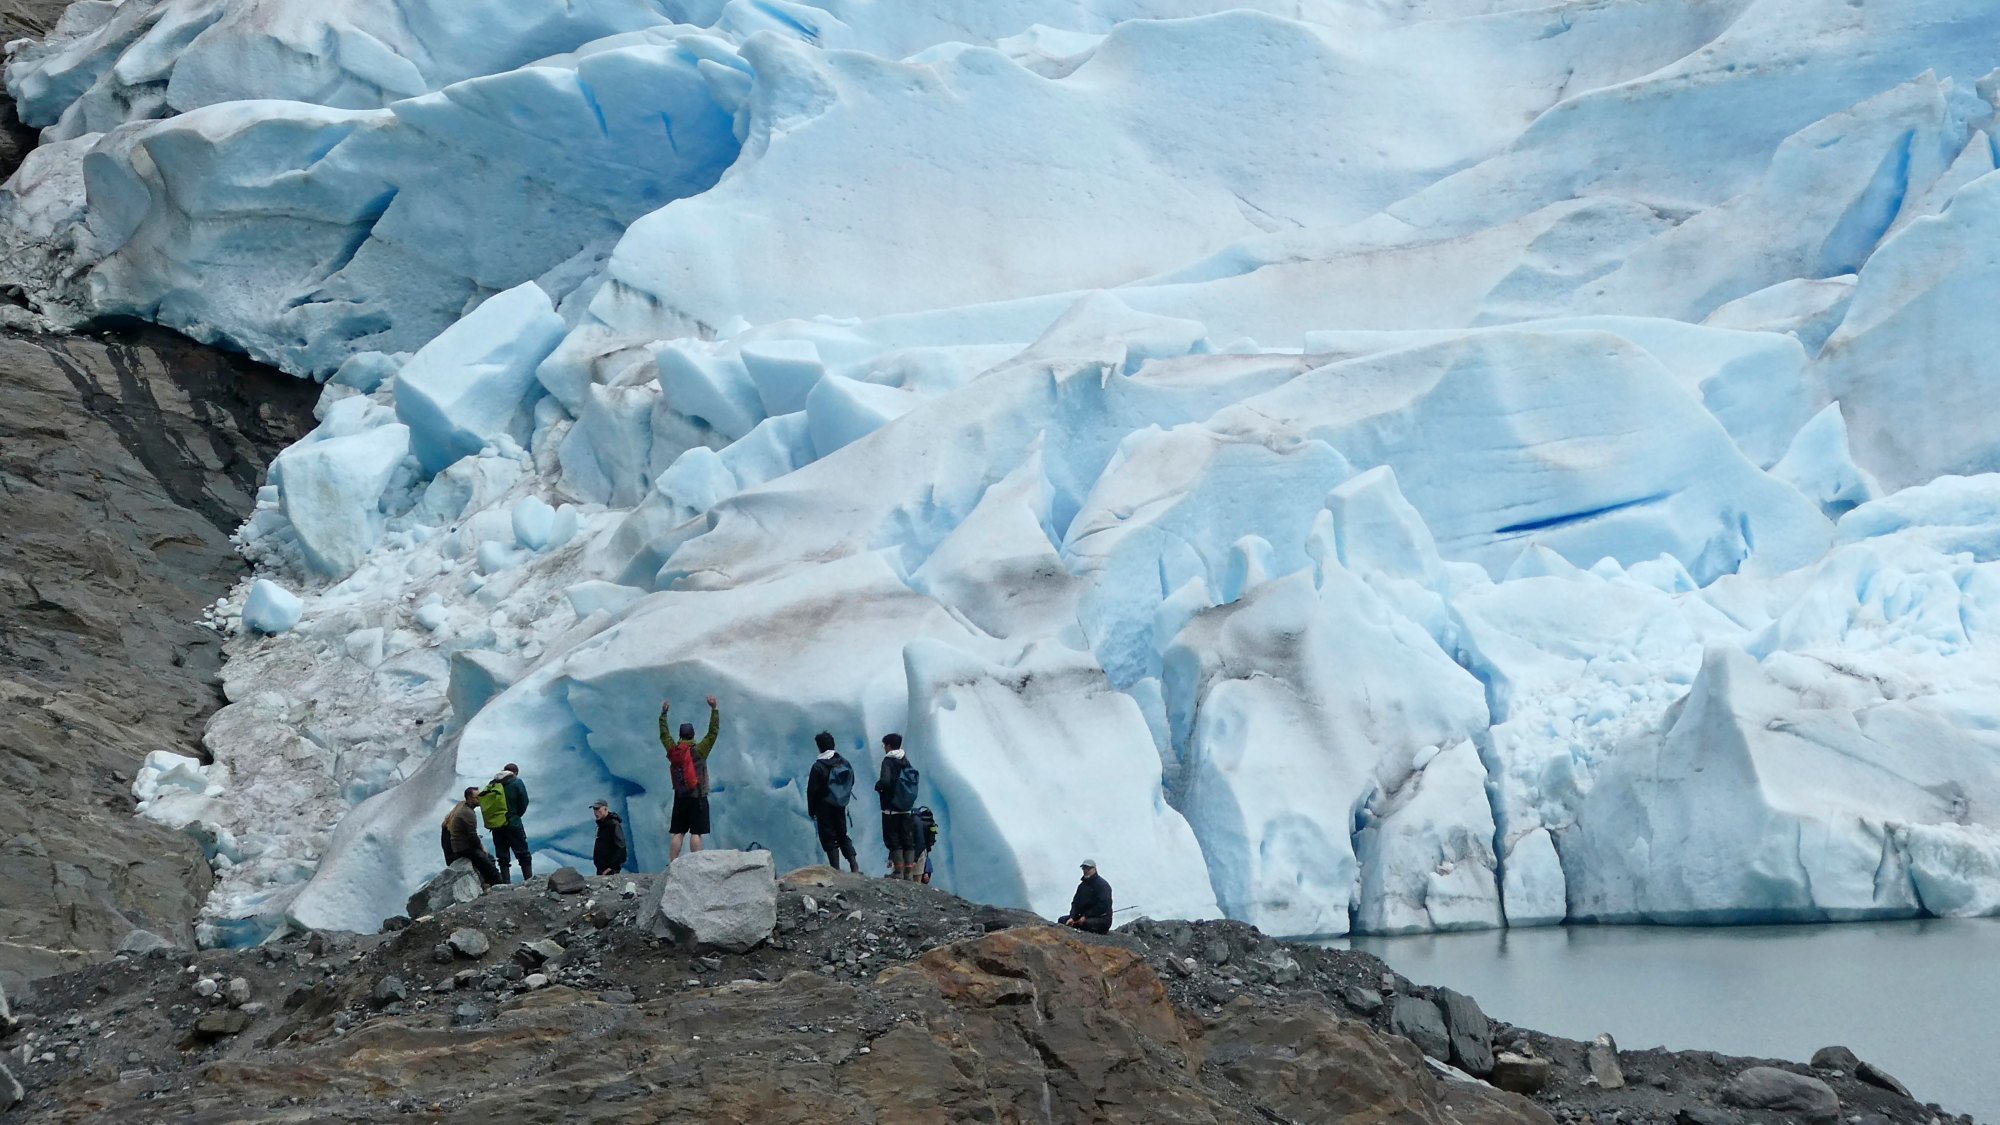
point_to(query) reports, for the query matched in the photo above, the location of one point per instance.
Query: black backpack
(839, 782)
(928, 824)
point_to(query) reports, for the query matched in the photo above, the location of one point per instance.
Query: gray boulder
(726, 900)
(1366, 1001)
(469, 943)
(455, 884)
(1520, 1074)
(1470, 1033)
(1880, 1079)
(1419, 1021)
(1601, 1057)
(1835, 1058)
(10, 1089)
(567, 881)
(535, 954)
(389, 990)
(1767, 1087)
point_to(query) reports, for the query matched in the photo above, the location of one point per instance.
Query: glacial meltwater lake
(1920, 999)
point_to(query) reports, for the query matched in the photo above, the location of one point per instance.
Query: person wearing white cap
(1090, 910)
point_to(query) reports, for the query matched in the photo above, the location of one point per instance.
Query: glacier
(1347, 465)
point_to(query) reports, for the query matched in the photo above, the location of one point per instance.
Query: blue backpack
(839, 782)
(903, 790)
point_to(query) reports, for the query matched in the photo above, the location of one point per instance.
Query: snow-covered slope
(1379, 464)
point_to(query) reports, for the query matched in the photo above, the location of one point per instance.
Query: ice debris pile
(1383, 466)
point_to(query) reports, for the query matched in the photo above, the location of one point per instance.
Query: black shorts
(690, 814)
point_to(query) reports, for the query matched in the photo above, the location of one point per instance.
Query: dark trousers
(513, 838)
(1095, 925)
(834, 839)
(899, 832)
(481, 862)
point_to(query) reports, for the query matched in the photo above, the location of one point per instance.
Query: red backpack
(685, 769)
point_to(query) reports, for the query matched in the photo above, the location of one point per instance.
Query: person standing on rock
(461, 838)
(1090, 909)
(897, 791)
(511, 839)
(829, 787)
(687, 764)
(609, 854)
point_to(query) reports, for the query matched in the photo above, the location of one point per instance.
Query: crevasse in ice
(1344, 465)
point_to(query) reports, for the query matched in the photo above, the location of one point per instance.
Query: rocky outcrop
(125, 464)
(871, 1001)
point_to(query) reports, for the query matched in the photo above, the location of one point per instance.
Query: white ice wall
(1346, 466)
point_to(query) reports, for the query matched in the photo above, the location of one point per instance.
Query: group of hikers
(909, 830)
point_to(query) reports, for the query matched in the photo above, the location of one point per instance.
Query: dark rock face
(1880, 1079)
(125, 464)
(1471, 1034)
(1418, 1020)
(19, 19)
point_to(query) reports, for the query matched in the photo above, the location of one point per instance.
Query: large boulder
(1470, 1032)
(1418, 1020)
(1767, 1087)
(1601, 1059)
(1880, 1079)
(715, 899)
(455, 884)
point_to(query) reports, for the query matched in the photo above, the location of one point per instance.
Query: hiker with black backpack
(927, 834)
(829, 787)
(897, 790)
(687, 766)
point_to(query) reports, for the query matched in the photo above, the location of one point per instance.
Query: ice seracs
(1392, 467)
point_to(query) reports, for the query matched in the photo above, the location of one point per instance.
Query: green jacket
(701, 749)
(517, 798)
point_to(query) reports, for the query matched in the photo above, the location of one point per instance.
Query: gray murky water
(1920, 999)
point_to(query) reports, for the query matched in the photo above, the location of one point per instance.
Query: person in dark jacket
(899, 822)
(1090, 910)
(609, 853)
(828, 815)
(510, 840)
(687, 769)
(461, 838)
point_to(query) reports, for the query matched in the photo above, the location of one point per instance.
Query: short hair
(823, 740)
(893, 741)
(512, 768)
(687, 730)
(471, 791)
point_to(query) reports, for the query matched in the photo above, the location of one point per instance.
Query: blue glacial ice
(1344, 466)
